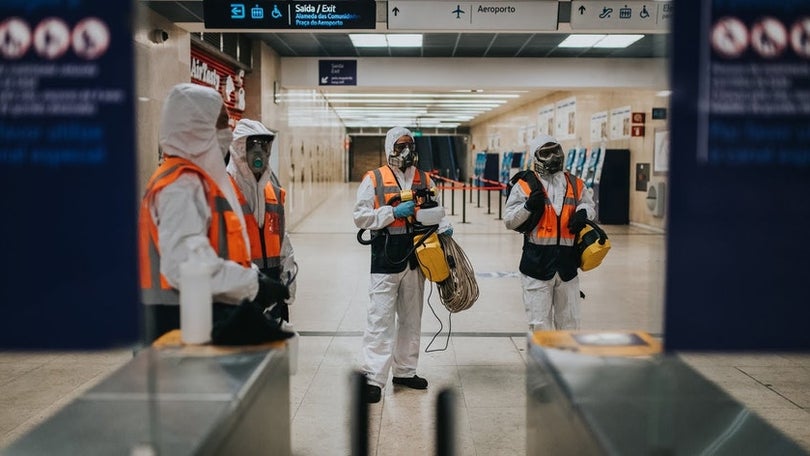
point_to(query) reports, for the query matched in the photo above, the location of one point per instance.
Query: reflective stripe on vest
(224, 233)
(386, 187)
(273, 229)
(551, 229)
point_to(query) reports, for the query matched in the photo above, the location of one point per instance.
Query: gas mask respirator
(548, 159)
(257, 152)
(403, 156)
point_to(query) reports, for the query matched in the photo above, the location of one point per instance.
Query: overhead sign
(262, 14)
(337, 72)
(628, 16)
(427, 15)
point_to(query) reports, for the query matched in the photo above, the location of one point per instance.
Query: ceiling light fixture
(617, 41)
(599, 41)
(386, 40)
(368, 39)
(404, 40)
(580, 41)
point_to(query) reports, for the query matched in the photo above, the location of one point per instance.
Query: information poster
(566, 116)
(738, 133)
(67, 163)
(620, 123)
(599, 127)
(545, 120)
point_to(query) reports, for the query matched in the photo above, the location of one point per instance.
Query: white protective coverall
(550, 304)
(181, 211)
(253, 190)
(394, 321)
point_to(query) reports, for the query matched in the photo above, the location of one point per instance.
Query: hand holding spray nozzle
(426, 210)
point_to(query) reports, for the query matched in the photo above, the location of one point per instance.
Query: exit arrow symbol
(582, 10)
(395, 11)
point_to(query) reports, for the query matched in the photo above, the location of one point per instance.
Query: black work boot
(415, 382)
(373, 394)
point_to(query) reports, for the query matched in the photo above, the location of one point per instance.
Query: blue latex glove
(448, 232)
(403, 209)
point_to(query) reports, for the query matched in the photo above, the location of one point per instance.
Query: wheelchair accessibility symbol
(644, 14)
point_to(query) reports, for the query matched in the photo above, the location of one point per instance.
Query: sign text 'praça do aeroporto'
(261, 14)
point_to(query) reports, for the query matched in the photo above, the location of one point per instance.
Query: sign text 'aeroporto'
(436, 15)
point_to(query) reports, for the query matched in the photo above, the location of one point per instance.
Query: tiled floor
(483, 362)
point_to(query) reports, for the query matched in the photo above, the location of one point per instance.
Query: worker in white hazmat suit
(262, 199)
(549, 262)
(396, 289)
(190, 210)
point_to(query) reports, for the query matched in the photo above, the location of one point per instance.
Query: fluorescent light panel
(404, 40)
(580, 41)
(599, 41)
(336, 95)
(617, 41)
(385, 40)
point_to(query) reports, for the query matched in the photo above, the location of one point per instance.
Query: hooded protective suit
(253, 191)
(551, 289)
(393, 327)
(181, 210)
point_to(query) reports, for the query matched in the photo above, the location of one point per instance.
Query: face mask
(548, 159)
(224, 138)
(402, 157)
(257, 159)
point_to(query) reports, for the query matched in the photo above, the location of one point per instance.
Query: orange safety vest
(386, 187)
(265, 242)
(390, 254)
(549, 248)
(224, 232)
(551, 229)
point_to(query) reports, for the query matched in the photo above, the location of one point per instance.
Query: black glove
(577, 222)
(270, 292)
(246, 325)
(536, 201)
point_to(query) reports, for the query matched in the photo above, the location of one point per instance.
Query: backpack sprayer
(426, 245)
(440, 258)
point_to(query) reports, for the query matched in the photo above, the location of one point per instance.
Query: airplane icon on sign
(458, 12)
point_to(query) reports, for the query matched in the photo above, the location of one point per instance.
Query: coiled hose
(459, 291)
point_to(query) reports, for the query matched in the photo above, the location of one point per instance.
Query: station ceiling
(441, 44)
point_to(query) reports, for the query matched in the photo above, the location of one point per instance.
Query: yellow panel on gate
(600, 343)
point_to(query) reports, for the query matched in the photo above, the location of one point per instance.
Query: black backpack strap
(573, 181)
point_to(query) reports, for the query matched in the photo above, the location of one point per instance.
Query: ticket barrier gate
(615, 393)
(175, 400)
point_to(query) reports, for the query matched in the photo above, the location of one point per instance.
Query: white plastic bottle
(195, 299)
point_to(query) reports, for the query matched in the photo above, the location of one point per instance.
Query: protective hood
(392, 136)
(552, 159)
(188, 130)
(240, 170)
(538, 141)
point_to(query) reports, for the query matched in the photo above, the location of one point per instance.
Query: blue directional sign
(237, 10)
(290, 14)
(337, 72)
